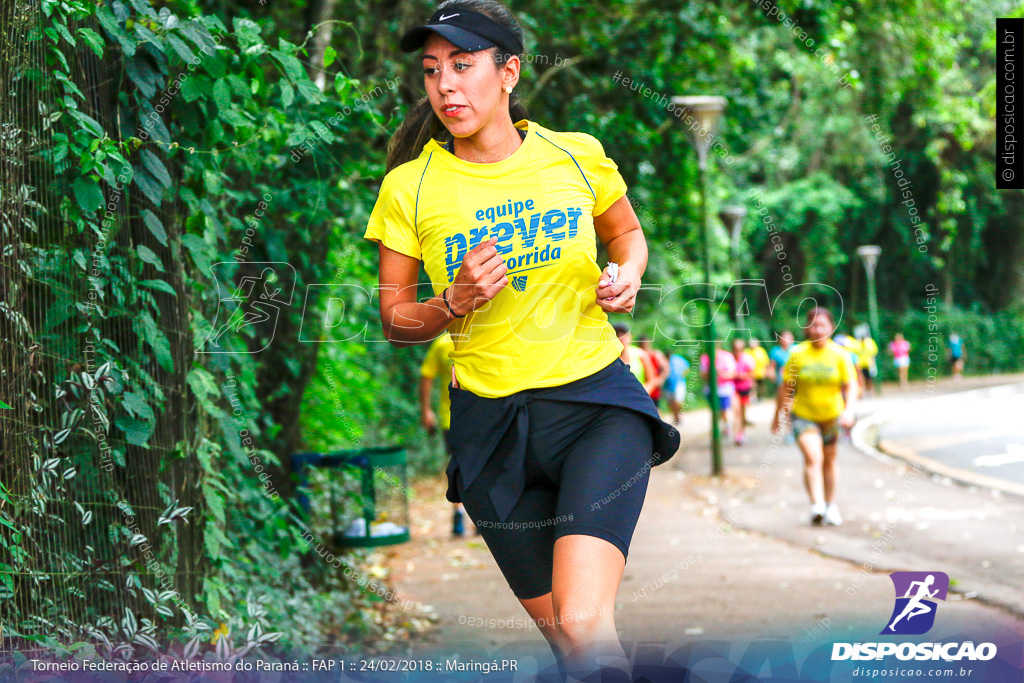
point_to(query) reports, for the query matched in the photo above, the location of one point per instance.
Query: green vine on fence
(201, 111)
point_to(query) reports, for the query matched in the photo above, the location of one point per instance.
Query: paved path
(769, 573)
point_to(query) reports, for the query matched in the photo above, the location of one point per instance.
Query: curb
(892, 454)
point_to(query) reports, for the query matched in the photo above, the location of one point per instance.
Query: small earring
(508, 89)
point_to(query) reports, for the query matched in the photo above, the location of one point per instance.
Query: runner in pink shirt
(725, 369)
(900, 349)
(744, 382)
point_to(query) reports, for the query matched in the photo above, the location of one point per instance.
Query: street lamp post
(706, 111)
(732, 218)
(869, 253)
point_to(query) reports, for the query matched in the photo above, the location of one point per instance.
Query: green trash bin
(364, 493)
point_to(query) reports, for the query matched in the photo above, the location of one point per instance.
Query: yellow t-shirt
(820, 375)
(636, 363)
(867, 352)
(545, 328)
(760, 357)
(437, 364)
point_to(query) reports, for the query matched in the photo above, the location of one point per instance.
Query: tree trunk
(947, 280)
(319, 11)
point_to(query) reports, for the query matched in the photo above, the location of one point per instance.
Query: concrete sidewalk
(693, 575)
(896, 517)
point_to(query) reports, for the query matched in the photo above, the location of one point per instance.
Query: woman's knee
(812, 453)
(580, 625)
(813, 458)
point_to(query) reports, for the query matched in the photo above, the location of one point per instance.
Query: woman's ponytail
(419, 126)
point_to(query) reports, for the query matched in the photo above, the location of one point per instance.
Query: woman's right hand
(481, 276)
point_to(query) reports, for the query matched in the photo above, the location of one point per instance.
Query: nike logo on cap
(442, 18)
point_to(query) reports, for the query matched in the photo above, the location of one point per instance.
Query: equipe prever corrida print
(545, 233)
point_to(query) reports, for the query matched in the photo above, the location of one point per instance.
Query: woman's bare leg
(587, 573)
(578, 617)
(830, 470)
(543, 614)
(738, 417)
(812, 447)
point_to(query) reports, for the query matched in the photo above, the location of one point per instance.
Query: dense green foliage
(250, 124)
(206, 118)
(801, 90)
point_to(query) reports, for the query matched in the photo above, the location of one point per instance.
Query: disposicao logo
(914, 612)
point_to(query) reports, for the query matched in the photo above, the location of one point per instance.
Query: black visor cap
(465, 29)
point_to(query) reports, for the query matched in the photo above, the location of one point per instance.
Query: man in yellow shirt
(819, 387)
(437, 364)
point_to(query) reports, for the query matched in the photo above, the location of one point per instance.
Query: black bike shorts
(587, 468)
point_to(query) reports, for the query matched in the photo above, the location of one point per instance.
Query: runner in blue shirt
(675, 386)
(777, 359)
(956, 356)
(778, 356)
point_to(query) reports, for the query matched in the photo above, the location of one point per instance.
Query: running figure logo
(914, 612)
(255, 302)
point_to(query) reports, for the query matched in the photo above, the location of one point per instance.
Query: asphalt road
(979, 431)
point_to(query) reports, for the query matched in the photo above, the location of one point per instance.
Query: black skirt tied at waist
(478, 425)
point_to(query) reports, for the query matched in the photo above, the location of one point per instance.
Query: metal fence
(99, 425)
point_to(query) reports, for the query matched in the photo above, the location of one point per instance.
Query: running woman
(546, 420)
(725, 376)
(900, 350)
(744, 383)
(778, 356)
(819, 388)
(675, 386)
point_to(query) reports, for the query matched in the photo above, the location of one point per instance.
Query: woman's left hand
(622, 292)
(847, 419)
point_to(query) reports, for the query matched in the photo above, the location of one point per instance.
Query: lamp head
(869, 253)
(706, 112)
(732, 218)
